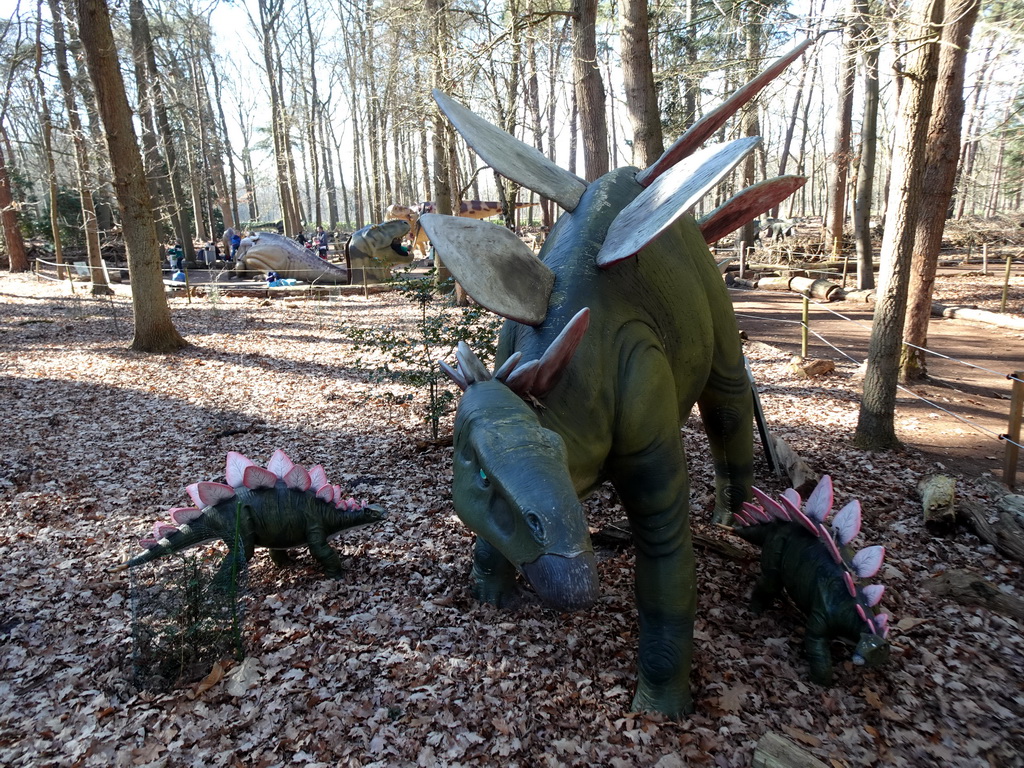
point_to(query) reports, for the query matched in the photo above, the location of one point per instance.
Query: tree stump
(811, 368)
(938, 494)
(801, 476)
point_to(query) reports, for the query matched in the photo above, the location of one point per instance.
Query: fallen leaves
(395, 663)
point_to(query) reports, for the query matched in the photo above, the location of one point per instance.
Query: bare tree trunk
(97, 273)
(844, 124)
(968, 153)
(753, 30)
(269, 20)
(876, 423)
(221, 150)
(995, 185)
(943, 153)
(156, 169)
(154, 331)
(329, 183)
(638, 83)
(179, 216)
(868, 152)
(51, 167)
(590, 94)
(13, 241)
(533, 105)
(442, 149)
(787, 141)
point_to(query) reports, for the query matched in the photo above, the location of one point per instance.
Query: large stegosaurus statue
(816, 568)
(278, 507)
(615, 331)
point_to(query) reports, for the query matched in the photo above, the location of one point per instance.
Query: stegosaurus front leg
(494, 577)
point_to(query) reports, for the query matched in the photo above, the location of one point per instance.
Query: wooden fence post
(1012, 436)
(1006, 283)
(804, 317)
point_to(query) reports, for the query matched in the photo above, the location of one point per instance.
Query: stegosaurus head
(872, 650)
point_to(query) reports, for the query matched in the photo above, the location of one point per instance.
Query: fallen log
(816, 288)
(971, 590)
(999, 523)
(978, 316)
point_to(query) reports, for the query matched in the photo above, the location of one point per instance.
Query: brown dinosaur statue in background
(470, 209)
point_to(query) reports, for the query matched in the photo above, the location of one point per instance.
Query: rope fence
(1011, 439)
(310, 280)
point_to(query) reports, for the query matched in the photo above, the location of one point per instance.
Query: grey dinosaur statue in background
(267, 252)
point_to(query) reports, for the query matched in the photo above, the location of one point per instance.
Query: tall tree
(51, 165)
(590, 94)
(638, 83)
(753, 32)
(13, 241)
(868, 45)
(154, 331)
(943, 152)
(154, 86)
(876, 429)
(97, 272)
(843, 125)
(270, 19)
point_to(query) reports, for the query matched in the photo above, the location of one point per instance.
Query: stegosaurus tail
(752, 520)
(207, 521)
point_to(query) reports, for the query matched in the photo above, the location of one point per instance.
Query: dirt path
(969, 406)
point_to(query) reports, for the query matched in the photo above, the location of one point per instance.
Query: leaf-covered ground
(395, 664)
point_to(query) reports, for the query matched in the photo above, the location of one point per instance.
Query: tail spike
(470, 367)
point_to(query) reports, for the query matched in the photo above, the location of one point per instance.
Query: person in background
(322, 239)
(176, 255)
